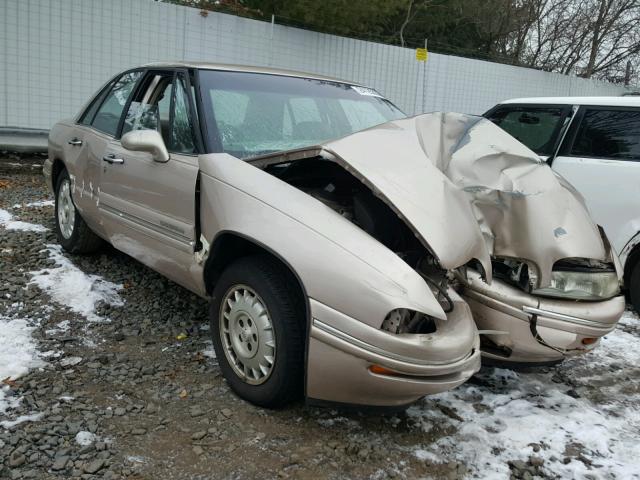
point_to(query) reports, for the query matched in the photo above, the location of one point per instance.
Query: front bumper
(341, 350)
(525, 329)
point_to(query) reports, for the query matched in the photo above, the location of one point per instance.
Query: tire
(262, 281)
(75, 236)
(634, 287)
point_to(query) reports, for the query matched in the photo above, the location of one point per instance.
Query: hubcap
(66, 210)
(247, 334)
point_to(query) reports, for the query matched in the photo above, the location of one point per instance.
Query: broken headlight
(574, 278)
(402, 320)
(581, 285)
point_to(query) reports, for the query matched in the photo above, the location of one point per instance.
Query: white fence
(55, 54)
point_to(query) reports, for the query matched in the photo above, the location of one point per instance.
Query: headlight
(581, 285)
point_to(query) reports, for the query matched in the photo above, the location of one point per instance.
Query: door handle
(111, 158)
(75, 142)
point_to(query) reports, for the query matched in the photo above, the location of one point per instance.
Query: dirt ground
(127, 386)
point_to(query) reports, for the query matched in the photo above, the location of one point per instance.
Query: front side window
(151, 109)
(536, 127)
(255, 114)
(108, 115)
(611, 134)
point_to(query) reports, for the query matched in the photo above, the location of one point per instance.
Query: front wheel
(257, 325)
(72, 232)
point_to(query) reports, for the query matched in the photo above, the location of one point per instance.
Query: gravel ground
(122, 382)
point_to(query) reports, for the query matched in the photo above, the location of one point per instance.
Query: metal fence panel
(56, 54)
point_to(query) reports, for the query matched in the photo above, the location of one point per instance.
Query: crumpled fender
(339, 264)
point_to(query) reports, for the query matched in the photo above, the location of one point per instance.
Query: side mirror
(146, 141)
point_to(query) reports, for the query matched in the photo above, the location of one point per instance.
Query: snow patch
(7, 221)
(209, 351)
(71, 287)
(506, 412)
(41, 203)
(32, 417)
(18, 355)
(85, 438)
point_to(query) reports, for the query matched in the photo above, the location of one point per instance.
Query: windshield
(255, 114)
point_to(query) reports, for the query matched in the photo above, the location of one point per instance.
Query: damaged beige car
(332, 266)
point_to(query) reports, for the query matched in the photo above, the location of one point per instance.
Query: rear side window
(536, 127)
(108, 115)
(90, 112)
(613, 134)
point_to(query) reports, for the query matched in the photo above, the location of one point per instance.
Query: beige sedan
(324, 226)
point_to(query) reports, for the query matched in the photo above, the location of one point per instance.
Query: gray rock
(93, 466)
(60, 463)
(198, 450)
(16, 459)
(536, 461)
(196, 411)
(70, 361)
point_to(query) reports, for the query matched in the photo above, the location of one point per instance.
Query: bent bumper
(342, 349)
(527, 329)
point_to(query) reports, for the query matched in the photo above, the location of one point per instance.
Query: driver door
(149, 207)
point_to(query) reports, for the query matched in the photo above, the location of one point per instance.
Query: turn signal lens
(589, 341)
(378, 370)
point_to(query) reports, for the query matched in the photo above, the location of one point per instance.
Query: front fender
(339, 264)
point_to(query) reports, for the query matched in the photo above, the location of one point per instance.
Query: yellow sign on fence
(422, 54)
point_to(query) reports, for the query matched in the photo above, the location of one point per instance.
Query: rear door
(88, 140)
(150, 207)
(601, 158)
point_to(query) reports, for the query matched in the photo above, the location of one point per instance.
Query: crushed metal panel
(468, 190)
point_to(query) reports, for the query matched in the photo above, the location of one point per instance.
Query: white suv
(594, 142)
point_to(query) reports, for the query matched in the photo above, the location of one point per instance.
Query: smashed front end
(466, 224)
(553, 286)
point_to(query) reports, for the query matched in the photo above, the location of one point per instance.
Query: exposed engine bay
(338, 189)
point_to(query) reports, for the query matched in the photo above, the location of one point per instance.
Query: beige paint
(466, 188)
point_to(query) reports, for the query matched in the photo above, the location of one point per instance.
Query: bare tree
(591, 38)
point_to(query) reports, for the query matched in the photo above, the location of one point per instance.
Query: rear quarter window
(608, 133)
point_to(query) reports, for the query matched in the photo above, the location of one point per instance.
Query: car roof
(629, 101)
(246, 68)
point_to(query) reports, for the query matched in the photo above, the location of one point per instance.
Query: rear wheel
(634, 287)
(73, 233)
(257, 325)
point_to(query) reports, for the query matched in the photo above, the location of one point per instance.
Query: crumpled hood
(470, 190)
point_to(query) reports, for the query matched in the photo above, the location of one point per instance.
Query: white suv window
(613, 134)
(536, 127)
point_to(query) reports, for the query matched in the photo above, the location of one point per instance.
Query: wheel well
(56, 168)
(229, 247)
(632, 260)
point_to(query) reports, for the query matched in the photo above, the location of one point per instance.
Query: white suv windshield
(252, 114)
